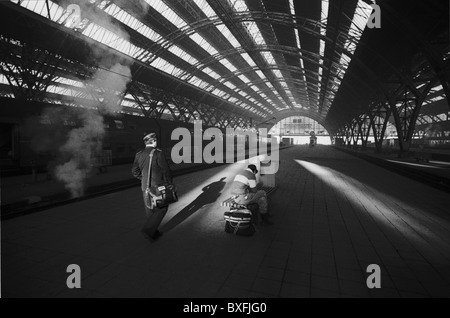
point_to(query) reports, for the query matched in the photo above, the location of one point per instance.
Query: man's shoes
(153, 237)
(147, 237)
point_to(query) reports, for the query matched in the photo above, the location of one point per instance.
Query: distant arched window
(297, 129)
(298, 125)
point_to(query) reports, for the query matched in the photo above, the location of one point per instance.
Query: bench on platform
(230, 203)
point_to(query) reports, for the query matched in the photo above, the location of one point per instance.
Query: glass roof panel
(167, 12)
(122, 43)
(205, 7)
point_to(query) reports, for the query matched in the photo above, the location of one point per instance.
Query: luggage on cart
(239, 222)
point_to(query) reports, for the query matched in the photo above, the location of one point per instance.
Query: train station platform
(335, 215)
(26, 193)
(434, 172)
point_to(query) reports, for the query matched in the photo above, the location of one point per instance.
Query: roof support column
(379, 120)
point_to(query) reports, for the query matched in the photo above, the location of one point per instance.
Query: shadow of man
(210, 194)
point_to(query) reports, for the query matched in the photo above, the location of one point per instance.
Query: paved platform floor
(335, 215)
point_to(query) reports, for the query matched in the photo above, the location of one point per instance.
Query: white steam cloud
(107, 87)
(83, 143)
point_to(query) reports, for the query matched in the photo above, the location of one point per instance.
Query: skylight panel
(230, 85)
(205, 7)
(254, 88)
(35, 6)
(239, 5)
(197, 38)
(129, 103)
(268, 57)
(167, 12)
(323, 20)
(176, 50)
(165, 66)
(69, 82)
(233, 99)
(198, 82)
(434, 99)
(132, 22)
(359, 22)
(442, 116)
(40, 7)
(324, 15)
(322, 48)
(3, 79)
(261, 74)
(218, 92)
(244, 78)
(110, 39)
(297, 37)
(420, 86)
(253, 29)
(228, 65)
(277, 73)
(211, 73)
(55, 11)
(248, 59)
(227, 33)
(242, 93)
(437, 88)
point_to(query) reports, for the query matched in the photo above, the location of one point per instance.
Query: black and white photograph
(231, 156)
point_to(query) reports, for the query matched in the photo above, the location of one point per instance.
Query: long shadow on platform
(209, 195)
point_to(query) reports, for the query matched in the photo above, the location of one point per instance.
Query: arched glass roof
(259, 58)
(247, 53)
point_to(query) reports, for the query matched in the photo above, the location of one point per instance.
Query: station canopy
(261, 59)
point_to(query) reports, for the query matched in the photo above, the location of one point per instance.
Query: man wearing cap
(160, 172)
(243, 190)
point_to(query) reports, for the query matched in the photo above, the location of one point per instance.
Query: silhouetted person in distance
(312, 139)
(243, 190)
(160, 173)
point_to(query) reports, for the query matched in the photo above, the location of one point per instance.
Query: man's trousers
(154, 218)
